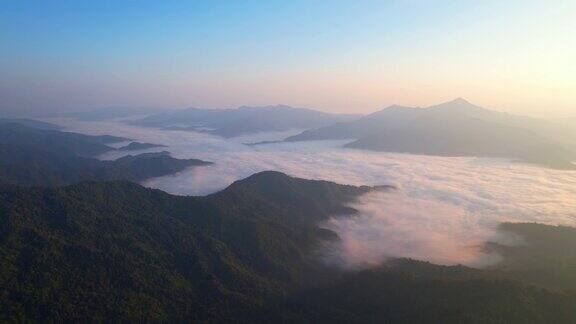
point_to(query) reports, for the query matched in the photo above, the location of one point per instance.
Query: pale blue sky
(353, 56)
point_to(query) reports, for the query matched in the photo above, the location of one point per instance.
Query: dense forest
(121, 252)
(47, 157)
(99, 251)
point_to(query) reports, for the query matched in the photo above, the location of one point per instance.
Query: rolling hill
(116, 251)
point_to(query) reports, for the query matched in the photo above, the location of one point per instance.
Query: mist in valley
(443, 208)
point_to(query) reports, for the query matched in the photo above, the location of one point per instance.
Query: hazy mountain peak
(459, 105)
(458, 102)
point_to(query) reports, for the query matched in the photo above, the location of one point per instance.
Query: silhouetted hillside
(418, 292)
(545, 255)
(118, 251)
(121, 252)
(56, 141)
(30, 123)
(139, 146)
(51, 158)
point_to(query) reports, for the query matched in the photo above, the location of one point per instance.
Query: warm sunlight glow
(515, 56)
(303, 161)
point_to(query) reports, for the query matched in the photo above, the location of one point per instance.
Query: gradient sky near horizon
(517, 56)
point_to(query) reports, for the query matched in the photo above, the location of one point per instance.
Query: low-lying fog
(443, 210)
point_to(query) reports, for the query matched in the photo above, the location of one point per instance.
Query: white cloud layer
(443, 210)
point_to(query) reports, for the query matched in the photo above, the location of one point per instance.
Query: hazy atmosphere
(442, 210)
(338, 56)
(401, 161)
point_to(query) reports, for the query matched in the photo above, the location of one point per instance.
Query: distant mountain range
(242, 120)
(40, 157)
(253, 252)
(455, 128)
(120, 252)
(108, 113)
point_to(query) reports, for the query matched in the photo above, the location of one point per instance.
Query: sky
(516, 56)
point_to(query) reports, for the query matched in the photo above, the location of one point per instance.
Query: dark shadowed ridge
(544, 255)
(56, 141)
(30, 123)
(312, 199)
(117, 251)
(38, 157)
(139, 146)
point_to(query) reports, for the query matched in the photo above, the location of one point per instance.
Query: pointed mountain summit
(453, 128)
(395, 117)
(458, 103)
(460, 106)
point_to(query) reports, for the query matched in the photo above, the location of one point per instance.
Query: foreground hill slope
(118, 251)
(417, 292)
(546, 255)
(535, 283)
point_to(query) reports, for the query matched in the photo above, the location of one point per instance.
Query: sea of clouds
(443, 210)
